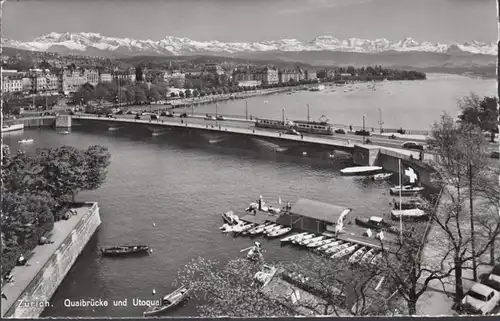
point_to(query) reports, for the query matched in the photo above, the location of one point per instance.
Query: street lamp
(283, 115)
(308, 112)
(246, 109)
(364, 132)
(380, 122)
(474, 265)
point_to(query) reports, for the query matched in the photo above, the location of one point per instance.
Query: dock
(354, 234)
(260, 217)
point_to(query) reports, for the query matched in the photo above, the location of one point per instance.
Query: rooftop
(318, 210)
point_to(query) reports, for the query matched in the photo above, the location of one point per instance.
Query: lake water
(407, 104)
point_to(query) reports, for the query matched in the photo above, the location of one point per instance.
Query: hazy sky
(255, 20)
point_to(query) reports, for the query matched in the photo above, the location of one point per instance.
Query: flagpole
(400, 202)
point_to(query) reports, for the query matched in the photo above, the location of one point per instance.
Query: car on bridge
(220, 117)
(137, 116)
(362, 132)
(412, 145)
(208, 117)
(292, 132)
(339, 131)
(183, 115)
(167, 114)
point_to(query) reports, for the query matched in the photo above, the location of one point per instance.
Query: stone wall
(391, 163)
(365, 155)
(50, 276)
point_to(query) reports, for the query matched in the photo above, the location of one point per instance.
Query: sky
(444, 21)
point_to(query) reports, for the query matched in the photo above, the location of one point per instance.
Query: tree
(461, 161)
(483, 113)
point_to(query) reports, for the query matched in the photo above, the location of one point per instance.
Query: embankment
(36, 282)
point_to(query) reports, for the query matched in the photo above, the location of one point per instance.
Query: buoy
(154, 224)
(154, 291)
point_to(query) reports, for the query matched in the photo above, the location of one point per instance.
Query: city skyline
(444, 21)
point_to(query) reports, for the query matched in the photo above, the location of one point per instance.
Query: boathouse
(313, 216)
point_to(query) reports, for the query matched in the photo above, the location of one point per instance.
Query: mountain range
(466, 57)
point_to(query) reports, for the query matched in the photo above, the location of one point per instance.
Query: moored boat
(11, 128)
(368, 256)
(241, 228)
(257, 227)
(280, 232)
(26, 141)
(357, 255)
(406, 190)
(379, 224)
(292, 237)
(344, 252)
(376, 259)
(361, 170)
(312, 240)
(124, 250)
(319, 243)
(64, 132)
(230, 218)
(169, 301)
(274, 229)
(381, 176)
(325, 247)
(303, 237)
(270, 227)
(337, 248)
(413, 214)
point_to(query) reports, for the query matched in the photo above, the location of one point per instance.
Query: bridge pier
(365, 155)
(63, 121)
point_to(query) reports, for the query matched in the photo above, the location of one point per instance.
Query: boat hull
(125, 250)
(12, 128)
(361, 171)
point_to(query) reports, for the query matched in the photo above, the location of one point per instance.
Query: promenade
(36, 260)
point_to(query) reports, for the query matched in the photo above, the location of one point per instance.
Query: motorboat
(357, 255)
(382, 176)
(169, 301)
(361, 170)
(303, 237)
(230, 218)
(312, 240)
(368, 256)
(258, 227)
(125, 250)
(258, 230)
(409, 204)
(413, 214)
(292, 237)
(26, 141)
(337, 248)
(325, 247)
(241, 228)
(230, 228)
(344, 252)
(269, 227)
(280, 232)
(11, 128)
(379, 224)
(406, 190)
(64, 132)
(320, 243)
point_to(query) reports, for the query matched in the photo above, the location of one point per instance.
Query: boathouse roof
(318, 210)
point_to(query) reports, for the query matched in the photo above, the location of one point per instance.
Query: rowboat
(260, 229)
(381, 176)
(280, 232)
(368, 256)
(241, 228)
(337, 248)
(406, 190)
(64, 132)
(274, 229)
(270, 227)
(415, 214)
(357, 255)
(325, 247)
(124, 250)
(303, 237)
(376, 259)
(344, 252)
(169, 301)
(230, 228)
(312, 240)
(320, 243)
(361, 170)
(292, 237)
(230, 218)
(26, 141)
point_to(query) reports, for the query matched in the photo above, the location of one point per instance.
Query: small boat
(169, 301)
(262, 229)
(320, 243)
(409, 204)
(26, 141)
(270, 227)
(415, 214)
(292, 237)
(376, 259)
(280, 232)
(263, 225)
(337, 248)
(357, 255)
(361, 170)
(230, 228)
(368, 256)
(312, 240)
(252, 206)
(325, 247)
(230, 218)
(406, 190)
(11, 128)
(381, 176)
(303, 237)
(253, 255)
(377, 223)
(241, 228)
(64, 132)
(124, 250)
(274, 229)
(344, 252)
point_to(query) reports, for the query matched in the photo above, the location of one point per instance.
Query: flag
(410, 175)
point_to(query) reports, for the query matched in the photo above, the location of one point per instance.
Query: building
(289, 75)
(213, 68)
(315, 217)
(128, 75)
(72, 79)
(310, 74)
(12, 83)
(174, 78)
(267, 75)
(243, 74)
(249, 83)
(27, 85)
(105, 77)
(91, 76)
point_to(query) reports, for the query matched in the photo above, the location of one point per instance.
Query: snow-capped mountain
(95, 43)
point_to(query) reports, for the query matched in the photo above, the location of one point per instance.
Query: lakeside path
(25, 275)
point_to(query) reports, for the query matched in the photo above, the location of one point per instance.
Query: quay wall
(33, 122)
(45, 283)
